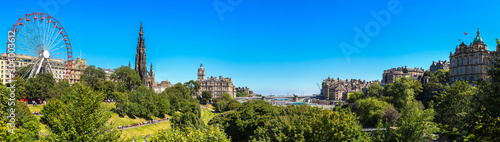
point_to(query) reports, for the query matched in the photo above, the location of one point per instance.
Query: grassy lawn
(108, 106)
(125, 120)
(138, 132)
(35, 108)
(208, 106)
(206, 115)
(120, 121)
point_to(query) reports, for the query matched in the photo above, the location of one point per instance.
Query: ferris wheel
(42, 46)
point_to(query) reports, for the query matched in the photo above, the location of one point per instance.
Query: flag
(459, 40)
(465, 33)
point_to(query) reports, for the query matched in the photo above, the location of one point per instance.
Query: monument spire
(141, 32)
(151, 69)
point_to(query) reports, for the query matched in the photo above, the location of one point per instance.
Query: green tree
(91, 75)
(128, 77)
(221, 103)
(206, 96)
(122, 104)
(452, 107)
(484, 119)
(402, 91)
(232, 105)
(241, 94)
(60, 89)
(142, 103)
(181, 100)
(209, 134)
(354, 96)
(163, 105)
(370, 111)
(20, 90)
(84, 119)
(374, 90)
(187, 119)
(241, 124)
(414, 125)
(22, 112)
(30, 129)
(109, 89)
(442, 76)
(40, 86)
(431, 88)
(193, 87)
(292, 123)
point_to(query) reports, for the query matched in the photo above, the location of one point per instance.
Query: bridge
(290, 98)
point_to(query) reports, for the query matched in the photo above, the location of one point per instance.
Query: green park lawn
(206, 115)
(208, 106)
(35, 108)
(138, 132)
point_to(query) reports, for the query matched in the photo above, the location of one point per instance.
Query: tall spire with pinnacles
(140, 58)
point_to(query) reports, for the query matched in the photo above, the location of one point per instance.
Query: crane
(319, 88)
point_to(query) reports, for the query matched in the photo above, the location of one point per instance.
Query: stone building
(79, 66)
(470, 62)
(439, 65)
(390, 75)
(147, 78)
(109, 72)
(215, 85)
(58, 66)
(245, 90)
(336, 89)
(160, 87)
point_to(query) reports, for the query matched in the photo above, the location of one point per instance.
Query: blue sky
(279, 46)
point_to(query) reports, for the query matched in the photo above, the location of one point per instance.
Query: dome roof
(478, 38)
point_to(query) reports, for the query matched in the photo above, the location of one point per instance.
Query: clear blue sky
(277, 46)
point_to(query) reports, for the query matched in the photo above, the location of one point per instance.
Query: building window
(467, 78)
(461, 78)
(475, 77)
(461, 69)
(476, 61)
(452, 71)
(476, 68)
(452, 79)
(467, 69)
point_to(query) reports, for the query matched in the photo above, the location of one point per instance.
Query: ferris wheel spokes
(43, 45)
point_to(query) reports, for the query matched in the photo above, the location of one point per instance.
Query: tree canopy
(83, 119)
